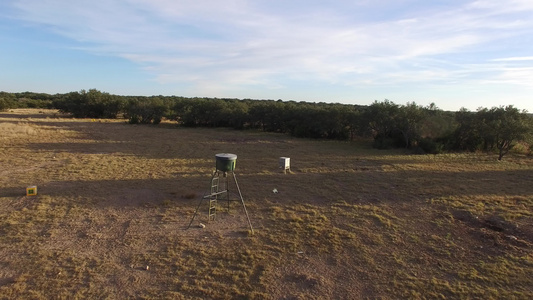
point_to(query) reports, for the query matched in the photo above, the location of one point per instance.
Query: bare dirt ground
(348, 222)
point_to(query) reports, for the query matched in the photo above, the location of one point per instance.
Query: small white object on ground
(201, 225)
(275, 191)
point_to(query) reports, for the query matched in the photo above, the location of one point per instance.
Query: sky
(454, 53)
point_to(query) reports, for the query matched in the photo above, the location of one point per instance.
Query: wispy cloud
(517, 58)
(226, 44)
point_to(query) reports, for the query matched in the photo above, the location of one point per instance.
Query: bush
(384, 143)
(521, 148)
(3, 104)
(7, 101)
(430, 146)
(146, 111)
(91, 104)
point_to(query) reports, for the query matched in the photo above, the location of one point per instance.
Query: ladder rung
(212, 211)
(215, 194)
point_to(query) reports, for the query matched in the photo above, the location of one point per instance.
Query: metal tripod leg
(215, 193)
(243, 205)
(200, 202)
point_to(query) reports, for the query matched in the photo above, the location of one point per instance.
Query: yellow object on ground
(31, 190)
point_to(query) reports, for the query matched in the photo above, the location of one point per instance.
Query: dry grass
(349, 222)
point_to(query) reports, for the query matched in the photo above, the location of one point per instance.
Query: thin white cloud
(227, 44)
(516, 58)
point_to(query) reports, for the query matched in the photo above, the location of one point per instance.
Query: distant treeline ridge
(411, 126)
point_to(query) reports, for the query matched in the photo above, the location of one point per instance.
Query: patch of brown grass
(348, 222)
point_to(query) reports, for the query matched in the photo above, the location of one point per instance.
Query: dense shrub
(431, 146)
(4, 104)
(91, 104)
(25, 100)
(146, 110)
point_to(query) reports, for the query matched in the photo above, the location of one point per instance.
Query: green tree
(90, 104)
(489, 129)
(508, 125)
(236, 113)
(146, 110)
(7, 100)
(380, 119)
(438, 123)
(467, 135)
(271, 115)
(408, 122)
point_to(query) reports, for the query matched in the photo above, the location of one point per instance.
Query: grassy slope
(348, 222)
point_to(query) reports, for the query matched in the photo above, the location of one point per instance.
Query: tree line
(421, 129)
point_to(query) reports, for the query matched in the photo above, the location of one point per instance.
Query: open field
(349, 222)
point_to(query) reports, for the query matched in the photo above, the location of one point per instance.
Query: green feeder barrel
(226, 162)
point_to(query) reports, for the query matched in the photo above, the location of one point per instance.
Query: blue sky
(454, 53)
